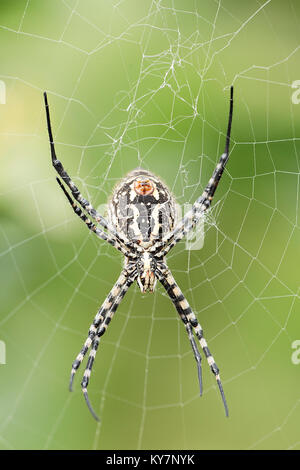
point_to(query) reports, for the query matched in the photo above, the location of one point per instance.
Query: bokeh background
(146, 83)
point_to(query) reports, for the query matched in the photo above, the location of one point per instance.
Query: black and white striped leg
(189, 221)
(182, 306)
(113, 299)
(197, 355)
(100, 332)
(75, 191)
(85, 380)
(189, 331)
(100, 233)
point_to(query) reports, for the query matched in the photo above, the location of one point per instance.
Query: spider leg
(114, 297)
(87, 374)
(182, 306)
(189, 331)
(100, 332)
(189, 221)
(100, 233)
(98, 328)
(66, 178)
(196, 353)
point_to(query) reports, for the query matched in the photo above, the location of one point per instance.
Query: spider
(141, 224)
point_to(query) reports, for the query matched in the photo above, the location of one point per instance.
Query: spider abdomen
(142, 208)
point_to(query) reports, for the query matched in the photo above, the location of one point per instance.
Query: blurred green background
(146, 83)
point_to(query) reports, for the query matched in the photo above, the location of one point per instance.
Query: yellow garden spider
(142, 225)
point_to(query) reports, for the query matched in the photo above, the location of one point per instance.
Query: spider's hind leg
(109, 302)
(99, 318)
(183, 308)
(100, 332)
(98, 328)
(86, 376)
(196, 352)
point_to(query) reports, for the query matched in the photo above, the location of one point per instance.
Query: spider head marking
(143, 186)
(146, 266)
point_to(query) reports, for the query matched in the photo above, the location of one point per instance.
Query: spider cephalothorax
(146, 268)
(142, 225)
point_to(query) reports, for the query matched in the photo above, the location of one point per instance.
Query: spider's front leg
(189, 221)
(167, 280)
(100, 233)
(99, 327)
(85, 204)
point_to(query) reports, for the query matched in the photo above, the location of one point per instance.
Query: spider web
(147, 84)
